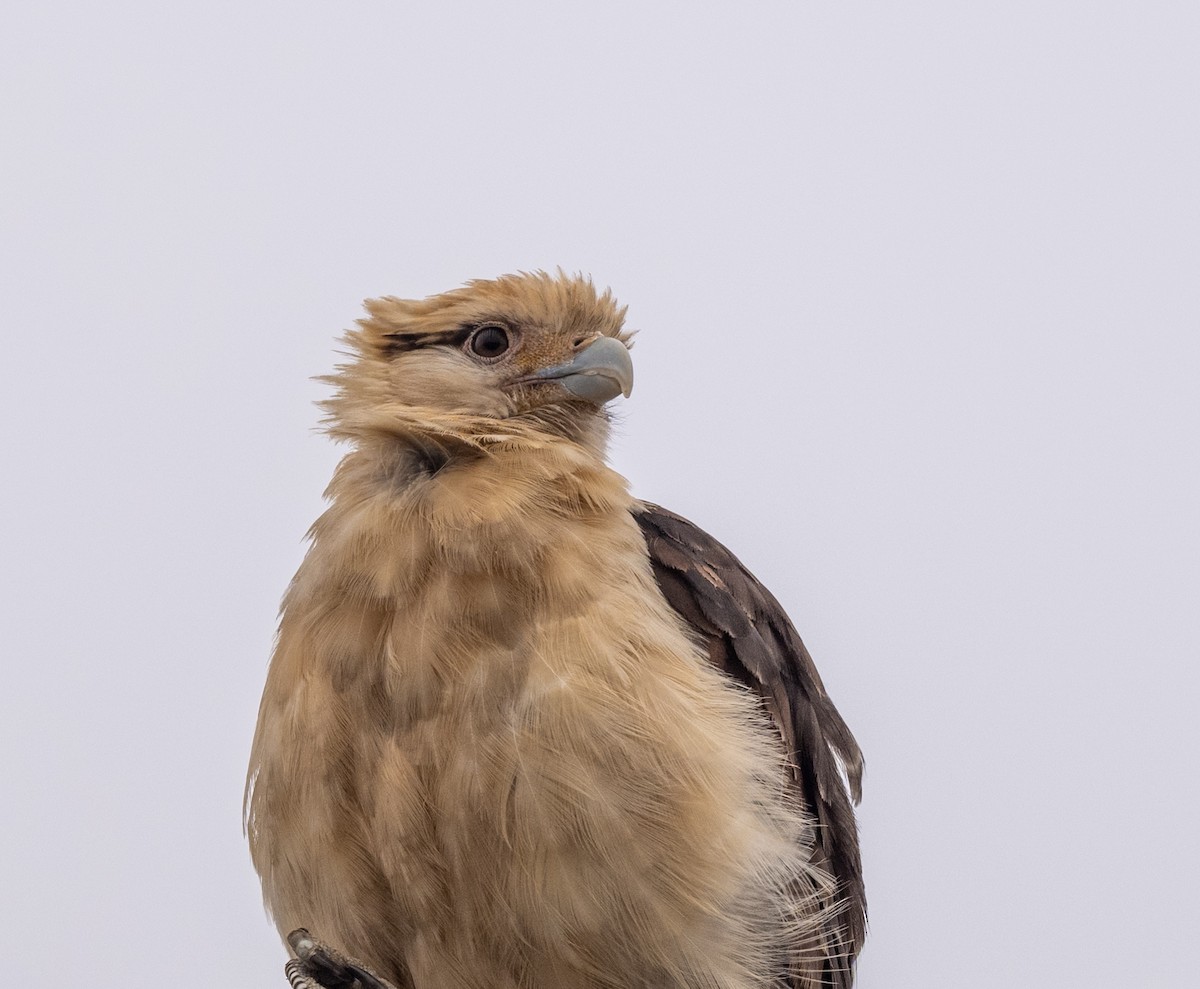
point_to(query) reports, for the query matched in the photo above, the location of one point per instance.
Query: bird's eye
(489, 341)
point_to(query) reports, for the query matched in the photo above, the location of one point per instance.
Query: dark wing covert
(750, 637)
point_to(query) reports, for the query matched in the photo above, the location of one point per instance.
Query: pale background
(918, 292)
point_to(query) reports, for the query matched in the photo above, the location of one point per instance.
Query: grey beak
(602, 370)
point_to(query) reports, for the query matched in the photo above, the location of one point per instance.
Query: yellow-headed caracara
(520, 730)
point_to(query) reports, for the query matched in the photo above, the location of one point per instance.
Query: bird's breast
(484, 729)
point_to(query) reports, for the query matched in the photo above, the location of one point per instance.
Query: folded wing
(750, 637)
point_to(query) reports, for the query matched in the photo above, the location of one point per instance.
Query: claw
(318, 966)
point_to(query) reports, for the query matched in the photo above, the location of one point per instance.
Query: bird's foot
(318, 966)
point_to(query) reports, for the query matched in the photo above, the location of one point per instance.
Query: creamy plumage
(489, 752)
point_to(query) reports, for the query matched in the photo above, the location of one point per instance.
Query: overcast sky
(919, 310)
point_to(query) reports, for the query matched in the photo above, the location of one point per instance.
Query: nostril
(580, 341)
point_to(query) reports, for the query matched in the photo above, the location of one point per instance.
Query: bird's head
(539, 351)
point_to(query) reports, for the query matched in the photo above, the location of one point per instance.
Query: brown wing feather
(750, 637)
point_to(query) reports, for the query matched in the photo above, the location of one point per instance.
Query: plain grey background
(919, 310)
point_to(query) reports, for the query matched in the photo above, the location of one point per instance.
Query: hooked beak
(600, 371)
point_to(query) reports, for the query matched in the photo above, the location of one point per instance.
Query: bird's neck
(401, 435)
(481, 495)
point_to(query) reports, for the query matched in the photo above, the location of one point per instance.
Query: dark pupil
(491, 341)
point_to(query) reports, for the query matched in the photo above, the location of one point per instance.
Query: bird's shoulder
(749, 636)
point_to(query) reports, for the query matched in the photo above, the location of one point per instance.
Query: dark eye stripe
(399, 343)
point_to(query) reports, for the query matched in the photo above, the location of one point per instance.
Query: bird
(521, 730)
